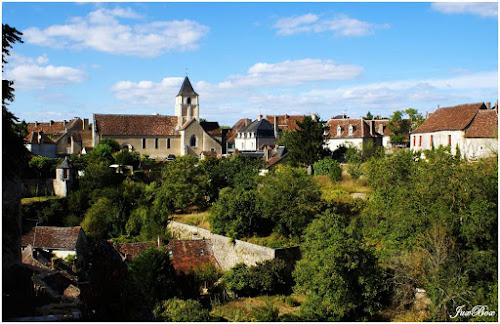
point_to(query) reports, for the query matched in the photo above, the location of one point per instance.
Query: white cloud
(29, 74)
(483, 9)
(101, 30)
(340, 25)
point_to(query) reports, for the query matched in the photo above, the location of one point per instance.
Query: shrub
(328, 166)
(178, 310)
(267, 278)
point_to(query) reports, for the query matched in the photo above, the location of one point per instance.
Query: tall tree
(305, 145)
(14, 154)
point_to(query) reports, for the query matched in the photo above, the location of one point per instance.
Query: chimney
(276, 134)
(488, 105)
(65, 122)
(314, 117)
(85, 123)
(438, 106)
(66, 129)
(51, 122)
(371, 124)
(259, 117)
(426, 115)
(246, 122)
(36, 124)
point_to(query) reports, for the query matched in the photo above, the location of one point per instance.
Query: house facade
(159, 135)
(357, 132)
(470, 128)
(59, 138)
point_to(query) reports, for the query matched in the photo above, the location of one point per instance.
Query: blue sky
(245, 58)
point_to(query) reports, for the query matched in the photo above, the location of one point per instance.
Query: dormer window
(351, 130)
(381, 128)
(339, 130)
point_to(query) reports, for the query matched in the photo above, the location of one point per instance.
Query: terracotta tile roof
(385, 129)
(32, 138)
(450, 118)
(56, 126)
(231, 135)
(484, 125)
(132, 250)
(286, 121)
(188, 254)
(51, 237)
(138, 125)
(360, 128)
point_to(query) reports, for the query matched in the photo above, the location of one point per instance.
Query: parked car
(170, 158)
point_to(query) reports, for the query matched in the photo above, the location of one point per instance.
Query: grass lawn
(346, 183)
(247, 309)
(27, 201)
(196, 219)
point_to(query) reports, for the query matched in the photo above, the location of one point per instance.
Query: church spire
(187, 88)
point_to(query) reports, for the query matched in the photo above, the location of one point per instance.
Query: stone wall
(229, 252)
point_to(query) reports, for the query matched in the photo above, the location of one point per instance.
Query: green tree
(328, 166)
(178, 310)
(238, 214)
(43, 166)
(14, 154)
(98, 221)
(368, 116)
(152, 278)
(290, 199)
(337, 273)
(306, 144)
(241, 171)
(399, 128)
(415, 118)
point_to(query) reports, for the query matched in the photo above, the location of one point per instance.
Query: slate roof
(64, 164)
(32, 138)
(189, 254)
(52, 237)
(286, 121)
(262, 128)
(187, 88)
(212, 128)
(135, 125)
(484, 125)
(450, 118)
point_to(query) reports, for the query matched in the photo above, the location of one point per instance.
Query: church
(159, 135)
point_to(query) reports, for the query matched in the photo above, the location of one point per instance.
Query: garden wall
(229, 252)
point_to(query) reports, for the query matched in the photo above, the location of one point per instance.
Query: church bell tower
(186, 104)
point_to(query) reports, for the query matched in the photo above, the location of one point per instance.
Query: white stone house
(472, 128)
(356, 132)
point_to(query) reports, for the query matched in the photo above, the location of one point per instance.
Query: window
(420, 141)
(168, 143)
(381, 128)
(69, 140)
(432, 141)
(212, 149)
(351, 129)
(449, 140)
(65, 173)
(414, 140)
(156, 143)
(339, 130)
(188, 101)
(192, 141)
(143, 143)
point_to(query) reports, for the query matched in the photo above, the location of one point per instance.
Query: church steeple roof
(186, 88)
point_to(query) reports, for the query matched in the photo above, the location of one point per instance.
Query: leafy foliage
(338, 274)
(328, 166)
(305, 145)
(267, 278)
(178, 310)
(290, 199)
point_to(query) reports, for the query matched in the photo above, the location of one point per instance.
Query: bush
(178, 310)
(267, 278)
(328, 166)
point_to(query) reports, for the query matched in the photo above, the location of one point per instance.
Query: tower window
(188, 101)
(168, 143)
(192, 141)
